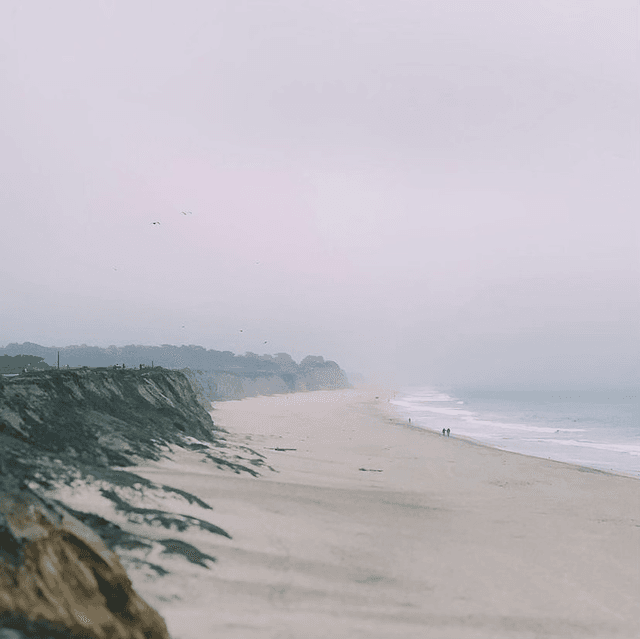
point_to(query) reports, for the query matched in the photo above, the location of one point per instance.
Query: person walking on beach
(448, 431)
(443, 431)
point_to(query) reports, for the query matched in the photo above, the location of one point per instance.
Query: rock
(58, 579)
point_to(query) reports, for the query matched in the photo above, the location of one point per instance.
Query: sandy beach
(369, 528)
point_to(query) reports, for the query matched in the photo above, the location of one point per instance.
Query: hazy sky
(445, 191)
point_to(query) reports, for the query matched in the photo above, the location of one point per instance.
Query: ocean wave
(630, 449)
(606, 435)
(431, 409)
(471, 417)
(527, 427)
(430, 396)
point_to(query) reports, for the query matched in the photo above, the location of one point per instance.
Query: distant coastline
(214, 375)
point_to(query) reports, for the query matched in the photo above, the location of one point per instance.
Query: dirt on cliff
(58, 579)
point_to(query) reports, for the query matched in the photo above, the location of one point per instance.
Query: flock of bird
(190, 213)
(182, 212)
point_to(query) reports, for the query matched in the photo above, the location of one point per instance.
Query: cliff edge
(215, 375)
(69, 517)
(113, 416)
(268, 377)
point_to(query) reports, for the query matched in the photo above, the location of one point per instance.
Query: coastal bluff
(60, 571)
(214, 375)
(106, 415)
(313, 373)
(74, 522)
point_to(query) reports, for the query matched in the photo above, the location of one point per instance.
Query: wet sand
(370, 528)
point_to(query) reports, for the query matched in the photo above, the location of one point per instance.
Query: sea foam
(600, 430)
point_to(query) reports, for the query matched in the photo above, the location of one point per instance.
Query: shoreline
(477, 442)
(365, 529)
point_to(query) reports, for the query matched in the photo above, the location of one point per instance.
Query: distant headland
(214, 375)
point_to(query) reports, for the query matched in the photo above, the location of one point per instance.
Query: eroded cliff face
(113, 416)
(313, 373)
(217, 375)
(61, 434)
(212, 386)
(317, 374)
(72, 522)
(57, 578)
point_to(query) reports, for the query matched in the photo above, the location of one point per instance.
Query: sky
(424, 191)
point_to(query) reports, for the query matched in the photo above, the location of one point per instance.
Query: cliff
(61, 434)
(214, 375)
(313, 373)
(115, 416)
(58, 579)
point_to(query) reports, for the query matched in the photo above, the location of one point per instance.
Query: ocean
(597, 429)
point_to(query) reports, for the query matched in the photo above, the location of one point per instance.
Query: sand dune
(437, 537)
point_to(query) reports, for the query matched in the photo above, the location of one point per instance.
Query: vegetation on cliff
(67, 505)
(19, 363)
(65, 433)
(114, 417)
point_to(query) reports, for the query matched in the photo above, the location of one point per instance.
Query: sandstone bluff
(61, 566)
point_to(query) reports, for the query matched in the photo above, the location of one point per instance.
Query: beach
(366, 527)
